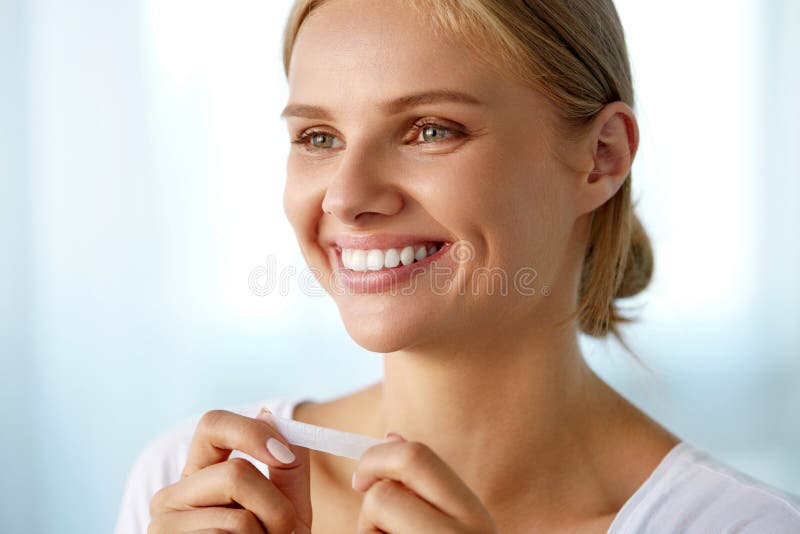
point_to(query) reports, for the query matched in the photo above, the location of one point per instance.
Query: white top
(688, 492)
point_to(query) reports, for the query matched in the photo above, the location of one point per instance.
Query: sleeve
(713, 497)
(783, 517)
(159, 464)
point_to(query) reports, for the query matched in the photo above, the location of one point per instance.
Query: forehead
(354, 57)
(367, 51)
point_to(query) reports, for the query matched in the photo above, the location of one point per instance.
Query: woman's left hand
(409, 489)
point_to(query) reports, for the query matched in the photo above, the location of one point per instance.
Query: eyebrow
(391, 108)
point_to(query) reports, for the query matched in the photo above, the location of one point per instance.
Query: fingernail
(264, 415)
(353, 483)
(393, 436)
(280, 451)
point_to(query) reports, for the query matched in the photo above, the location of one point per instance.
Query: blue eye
(436, 129)
(430, 131)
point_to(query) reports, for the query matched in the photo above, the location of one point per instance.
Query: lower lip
(387, 279)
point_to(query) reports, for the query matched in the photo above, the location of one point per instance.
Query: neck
(500, 414)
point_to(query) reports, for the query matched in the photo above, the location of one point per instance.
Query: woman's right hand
(217, 494)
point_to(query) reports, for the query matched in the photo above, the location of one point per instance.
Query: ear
(612, 144)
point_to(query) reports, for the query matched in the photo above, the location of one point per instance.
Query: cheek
(476, 183)
(291, 203)
(498, 185)
(512, 193)
(299, 201)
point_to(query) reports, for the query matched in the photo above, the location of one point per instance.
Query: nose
(356, 192)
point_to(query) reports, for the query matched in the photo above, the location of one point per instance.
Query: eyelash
(303, 138)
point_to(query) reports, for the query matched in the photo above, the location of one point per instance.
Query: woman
(460, 180)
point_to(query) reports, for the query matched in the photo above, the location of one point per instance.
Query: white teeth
(358, 260)
(377, 259)
(407, 255)
(392, 258)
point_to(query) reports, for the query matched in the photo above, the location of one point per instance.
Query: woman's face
(480, 175)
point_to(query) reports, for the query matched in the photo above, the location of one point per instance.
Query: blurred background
(142, 163)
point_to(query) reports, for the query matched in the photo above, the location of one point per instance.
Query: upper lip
(381, 241)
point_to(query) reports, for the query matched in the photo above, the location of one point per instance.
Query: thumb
(294, 481)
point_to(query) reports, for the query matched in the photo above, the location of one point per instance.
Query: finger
(420, 470)
(391, 507)
(220, 431)
(235, 481)
(294, 481)
(234, 520)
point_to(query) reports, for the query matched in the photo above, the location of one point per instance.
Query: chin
(379, 328)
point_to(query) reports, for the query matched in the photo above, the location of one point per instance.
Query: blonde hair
(574, 53)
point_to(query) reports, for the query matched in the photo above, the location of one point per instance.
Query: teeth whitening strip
(321, 438)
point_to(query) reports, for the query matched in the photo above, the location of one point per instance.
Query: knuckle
(282, 516)
(241, 466)
(158, 501)
(414, 453)
(237, 471)
(379, 494)
(241, 520)
(209, 419)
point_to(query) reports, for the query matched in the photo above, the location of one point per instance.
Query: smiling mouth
(371, 260)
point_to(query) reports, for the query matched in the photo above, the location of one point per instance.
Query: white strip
(321, 438)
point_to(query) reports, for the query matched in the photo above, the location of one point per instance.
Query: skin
(501, 423)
